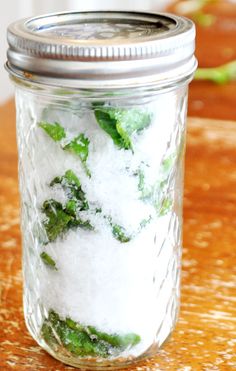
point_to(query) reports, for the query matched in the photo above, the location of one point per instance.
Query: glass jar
(101, 105)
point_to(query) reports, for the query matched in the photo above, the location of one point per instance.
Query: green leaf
(124, 135)
(141, 180)
(167, 165)
(57, 219)
(120, 341)
(72, 186)
(146, 192)
(73, 325)
(72, 178)
(61, 218)
(71, 207)
(121, 124)
(79, 146)
(145, 222)
(109, 126)
(165, 206)
(219, 75)
(131, 120)
(55, 131)
(84, 224)
(120, 233)
(83, 340)
(203, 19)
(157, 193)
(48, 260)
(48, 335)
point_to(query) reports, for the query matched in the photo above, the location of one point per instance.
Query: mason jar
(101, 103)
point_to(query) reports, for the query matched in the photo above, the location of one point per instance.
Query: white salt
(117, 287)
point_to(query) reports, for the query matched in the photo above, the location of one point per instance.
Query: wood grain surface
(205, 337)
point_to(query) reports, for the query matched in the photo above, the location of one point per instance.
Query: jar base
(103, 365)
(89, 364)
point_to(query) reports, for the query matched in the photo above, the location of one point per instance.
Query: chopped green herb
(145, 222)
(120, 233)
(219, 75)
(72, 186)
(165, 206)
(71, 207)
(57, 219)
(109, 126)
(203, 19)
(79, 146)
(61, 218)
(121, 124)
(82, 340)
(48, 334)
(146, 193)
(48, 260)
(72, 178)
(156, 194)
(167, 164)
(84, 224)
(55, 131)
(115, 340)
(131, 120)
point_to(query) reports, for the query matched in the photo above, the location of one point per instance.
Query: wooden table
(205, 338)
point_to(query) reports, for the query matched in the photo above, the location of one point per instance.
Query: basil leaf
(55, 131)
(48, 260)
(79, 146)
(72, 186)
(120, 233)
(83, 340)
(57, 219)
(122, 123)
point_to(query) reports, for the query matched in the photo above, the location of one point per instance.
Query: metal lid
(113, 48)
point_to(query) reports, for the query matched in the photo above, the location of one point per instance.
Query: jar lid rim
(88, 45)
